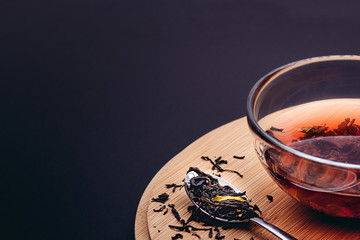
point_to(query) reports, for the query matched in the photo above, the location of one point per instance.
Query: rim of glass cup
(261, 84)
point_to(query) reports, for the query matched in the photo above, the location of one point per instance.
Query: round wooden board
(232, 139)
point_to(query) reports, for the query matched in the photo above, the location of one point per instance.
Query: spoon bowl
(271, 228)
(223, 183)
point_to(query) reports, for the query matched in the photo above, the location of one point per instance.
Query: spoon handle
(274, 230)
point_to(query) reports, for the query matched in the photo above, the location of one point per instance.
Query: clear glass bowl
(305, 117)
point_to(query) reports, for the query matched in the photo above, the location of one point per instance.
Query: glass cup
(305, 117)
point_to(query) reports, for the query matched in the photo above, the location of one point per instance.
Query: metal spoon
(271, 228)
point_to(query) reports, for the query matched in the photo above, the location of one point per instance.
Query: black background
(96, 96)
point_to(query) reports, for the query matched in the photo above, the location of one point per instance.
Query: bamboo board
(232, 139)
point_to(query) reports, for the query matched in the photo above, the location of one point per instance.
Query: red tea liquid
(332, 190)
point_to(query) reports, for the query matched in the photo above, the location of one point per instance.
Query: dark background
(96, 96)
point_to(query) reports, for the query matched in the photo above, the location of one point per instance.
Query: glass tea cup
(305, 117)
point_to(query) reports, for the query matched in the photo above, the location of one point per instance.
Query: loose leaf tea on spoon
(219, 201)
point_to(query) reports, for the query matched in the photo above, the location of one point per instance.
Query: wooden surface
(141, 226)
(232, 139)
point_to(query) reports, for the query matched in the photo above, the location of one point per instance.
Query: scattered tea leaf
(177, 236)
(218, 235)
(196, 235)
(200, 229)
(175, 212)
(276, 129)
(233, 171)
(160, 209)
(162, 198)
(174, 186)
(180, 228)
(256, 208)
(306, 129)
(270, 198)
(215, 165)
(166, 211)
(220, 161)
(170, 185)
